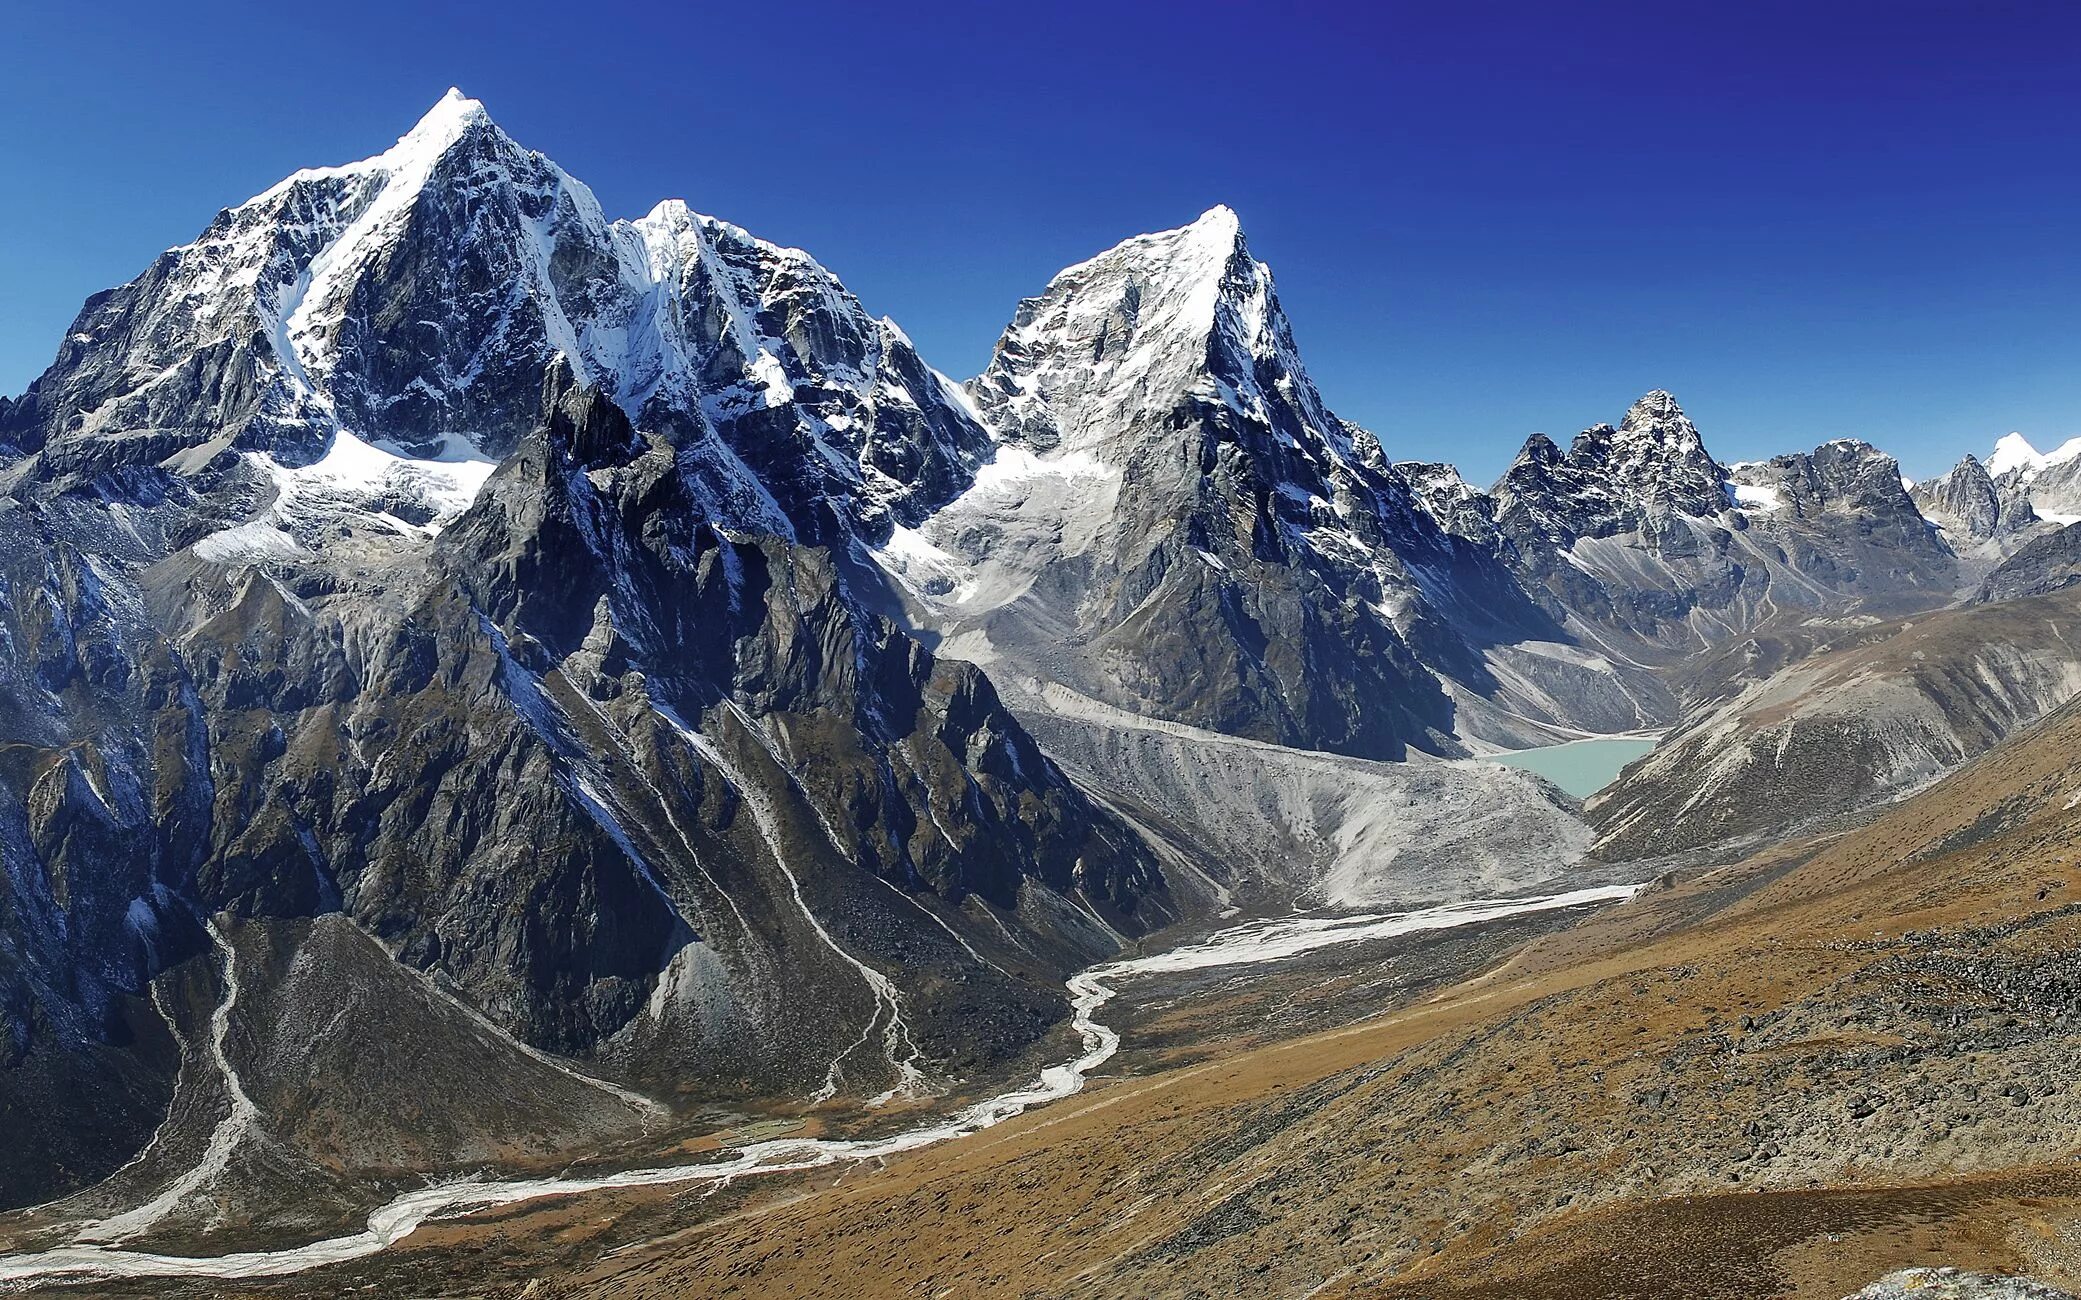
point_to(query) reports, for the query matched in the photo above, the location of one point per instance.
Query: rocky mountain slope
(607, 742)
(1794, 1075)
(1880, 711)
(1302, 826)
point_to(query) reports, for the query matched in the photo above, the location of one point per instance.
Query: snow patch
(1759, 497)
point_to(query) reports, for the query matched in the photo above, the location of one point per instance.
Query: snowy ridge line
(1090, 989)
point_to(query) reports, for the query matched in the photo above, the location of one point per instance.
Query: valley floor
(1782, 1076)
(1809, 1092)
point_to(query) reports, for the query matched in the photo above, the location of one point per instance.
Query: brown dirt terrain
(1783, 1078)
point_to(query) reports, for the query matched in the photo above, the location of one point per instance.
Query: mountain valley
(556, 756)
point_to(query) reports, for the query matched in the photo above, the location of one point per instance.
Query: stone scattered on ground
(1957, 1284)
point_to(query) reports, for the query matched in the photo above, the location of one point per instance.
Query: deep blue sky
(1806, 220)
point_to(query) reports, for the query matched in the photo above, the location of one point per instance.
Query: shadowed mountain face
(2048, 562)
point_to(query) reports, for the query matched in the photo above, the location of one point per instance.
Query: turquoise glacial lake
(1581, 767)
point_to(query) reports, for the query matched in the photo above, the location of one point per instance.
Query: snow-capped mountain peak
(414, 300)
(1611, 480)
(2013, 451)
(1178, 316)
(416, 152)
(452, 113)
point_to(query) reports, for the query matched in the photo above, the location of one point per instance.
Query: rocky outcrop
(1639, 478)
(637, 791)
(2047, 563)
(1956, 1284)
(1965, 502)
(1642, 543)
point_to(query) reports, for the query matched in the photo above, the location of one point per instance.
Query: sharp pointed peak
(452, 118)
(452, 115)
(1219, 219)
(1218, 230)
(453, 105)
(1539, 447)
(1216, 225)
(1206, 243)
(1657, 404)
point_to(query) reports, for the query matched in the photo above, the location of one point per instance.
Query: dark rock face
(1852, 525)
(2042, 565)
(1970, 507)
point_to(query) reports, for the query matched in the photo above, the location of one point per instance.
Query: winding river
(1089, 990)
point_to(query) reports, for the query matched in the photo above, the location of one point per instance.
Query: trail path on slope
(1091, 989)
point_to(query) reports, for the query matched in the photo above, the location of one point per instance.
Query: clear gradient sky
(1807, 220)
